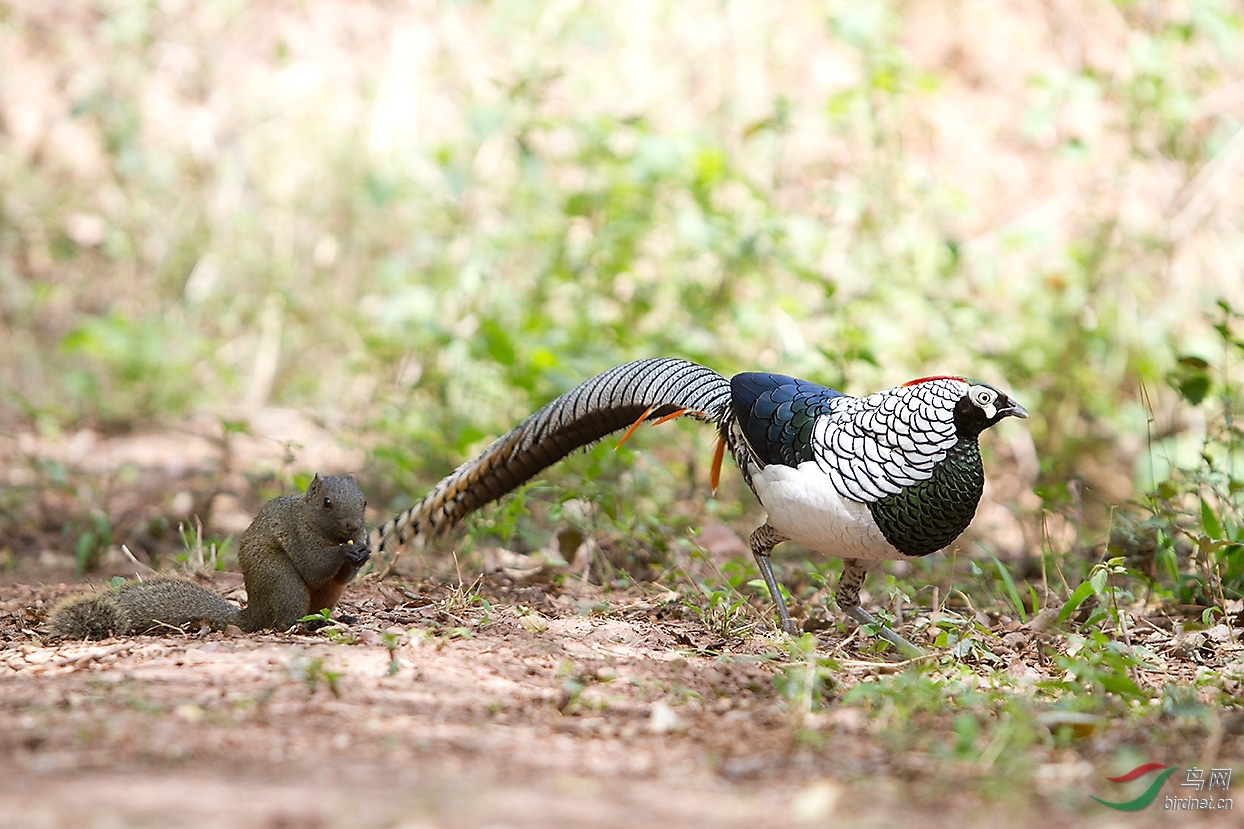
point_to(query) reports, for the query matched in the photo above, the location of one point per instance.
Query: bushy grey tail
(612, 400)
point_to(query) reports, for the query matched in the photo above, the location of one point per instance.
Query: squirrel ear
(315, 483)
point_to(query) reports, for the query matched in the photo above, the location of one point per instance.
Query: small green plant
(201, 555)
(1100, 581)
(392, 640)
(92, 542)
(808, 678)
(462, 599)
(320, 618)
(332, 630)
(313, 672)
(339, 635)
(1096, 669)
(723, 611)
(965, 639)
(575, 680)
(1196, 507)
(1012, 594)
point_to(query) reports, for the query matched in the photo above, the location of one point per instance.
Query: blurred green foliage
(429, 221)
(1195, 512)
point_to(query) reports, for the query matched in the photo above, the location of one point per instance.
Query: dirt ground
(542, 708)
(533, 719)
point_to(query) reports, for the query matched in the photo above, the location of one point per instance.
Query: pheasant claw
(907, 649)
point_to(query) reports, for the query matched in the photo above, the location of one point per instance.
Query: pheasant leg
(763, 540)
(847, 595)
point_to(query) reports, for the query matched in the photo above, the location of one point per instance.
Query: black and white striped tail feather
(612, 400)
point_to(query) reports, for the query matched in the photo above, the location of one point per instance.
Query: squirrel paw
(357, 553)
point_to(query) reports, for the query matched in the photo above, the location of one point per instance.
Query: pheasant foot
(907, 649)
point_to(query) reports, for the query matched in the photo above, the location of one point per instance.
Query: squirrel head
(335, 506)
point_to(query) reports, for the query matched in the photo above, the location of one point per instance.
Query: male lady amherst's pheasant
(893, 475)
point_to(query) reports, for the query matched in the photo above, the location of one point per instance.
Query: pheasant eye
(983, 398)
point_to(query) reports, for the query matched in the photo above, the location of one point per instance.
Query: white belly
(804, 506)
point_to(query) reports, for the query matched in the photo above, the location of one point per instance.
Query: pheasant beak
(1014, 410)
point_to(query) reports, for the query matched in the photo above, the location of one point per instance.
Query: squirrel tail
(141, 606)
(89, 616)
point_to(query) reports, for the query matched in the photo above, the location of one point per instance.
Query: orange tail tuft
(669, 416)
(634, 426)
(656, 422)
(714, 475)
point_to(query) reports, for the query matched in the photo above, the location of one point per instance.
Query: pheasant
(894, 475)
(891, 476)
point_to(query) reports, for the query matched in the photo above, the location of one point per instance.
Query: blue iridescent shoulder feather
(777, 413)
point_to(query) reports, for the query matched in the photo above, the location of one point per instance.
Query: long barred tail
(647, 389)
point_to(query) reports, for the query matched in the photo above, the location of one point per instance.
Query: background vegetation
(418, 222)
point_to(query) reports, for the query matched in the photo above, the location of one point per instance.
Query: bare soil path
(431, 711)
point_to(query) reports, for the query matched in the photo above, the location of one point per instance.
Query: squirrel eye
(328, 503)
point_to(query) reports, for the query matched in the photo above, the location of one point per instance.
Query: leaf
(1011, 592)
(1207, 615)
(1098, 579)
(1209, 521)
(1168, 489)
(1120, 684)
(1191, 379)
(1077, 598)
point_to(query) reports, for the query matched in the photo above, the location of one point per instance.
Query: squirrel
(296, 556)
